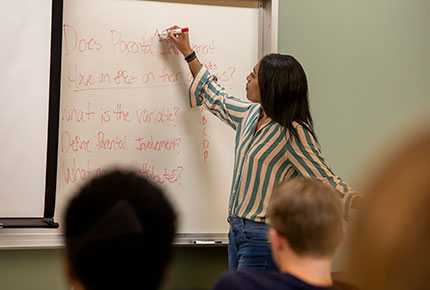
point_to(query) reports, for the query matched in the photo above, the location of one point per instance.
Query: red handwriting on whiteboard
(166, 114)
(170, 176)
(169, 77)
(74, 174)
(74, 143)
(211, 66)
(157, 145)
(74, 115)
(204, 48)
(79, 79)
(111, 144)
(124, 77)
(118, 114)
(73, 42)
(205, 140)
(121, 114)
(148, 77)
(130, 47)
(105, 116)
(226, 75)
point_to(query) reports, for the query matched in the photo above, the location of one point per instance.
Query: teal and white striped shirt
(263, 158)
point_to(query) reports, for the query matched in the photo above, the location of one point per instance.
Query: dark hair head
(284, 92)
(119, 230)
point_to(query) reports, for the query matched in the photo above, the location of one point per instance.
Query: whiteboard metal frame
(53, 238)
(268, 25)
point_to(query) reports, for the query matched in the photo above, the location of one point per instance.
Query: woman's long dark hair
(284, 92)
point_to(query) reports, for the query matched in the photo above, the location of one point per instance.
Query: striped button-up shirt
(265, 157)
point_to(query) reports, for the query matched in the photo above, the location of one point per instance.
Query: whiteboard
(124, 100)
(24, 90)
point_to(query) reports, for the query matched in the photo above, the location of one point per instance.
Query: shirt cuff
(347, 209)
(196, 87)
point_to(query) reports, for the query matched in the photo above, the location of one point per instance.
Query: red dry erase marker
(165, 34)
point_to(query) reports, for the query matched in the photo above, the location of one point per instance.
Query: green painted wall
(192, 269)
(31, 269)
(368, 67)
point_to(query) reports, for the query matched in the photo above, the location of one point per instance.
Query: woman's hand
(181, 41)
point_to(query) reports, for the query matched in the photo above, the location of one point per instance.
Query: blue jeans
(248, 246)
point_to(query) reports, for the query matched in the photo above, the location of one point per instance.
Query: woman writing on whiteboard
(275, 142)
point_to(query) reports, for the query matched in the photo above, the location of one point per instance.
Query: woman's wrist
(192, 56)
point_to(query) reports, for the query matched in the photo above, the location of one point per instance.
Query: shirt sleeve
(205, 90)
(307, 159)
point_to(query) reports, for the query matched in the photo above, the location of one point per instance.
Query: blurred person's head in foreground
(390, 241)
(118, 230)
